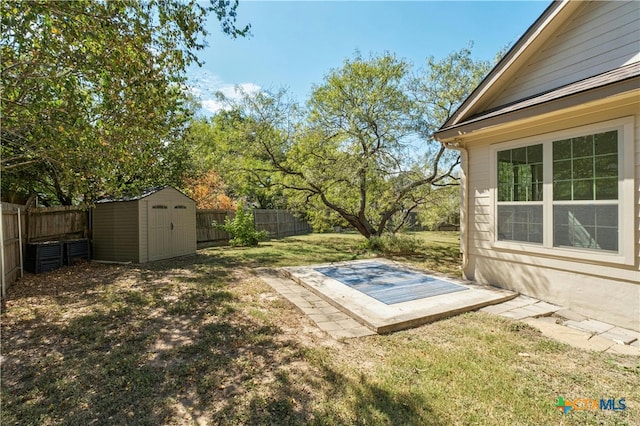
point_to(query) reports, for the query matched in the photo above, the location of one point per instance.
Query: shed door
(181, 234)
(159, 228)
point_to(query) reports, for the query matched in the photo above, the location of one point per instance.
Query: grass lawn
(201, 340)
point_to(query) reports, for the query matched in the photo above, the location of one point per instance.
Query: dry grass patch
(201, 340)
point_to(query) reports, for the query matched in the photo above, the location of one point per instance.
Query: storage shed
(158, 224)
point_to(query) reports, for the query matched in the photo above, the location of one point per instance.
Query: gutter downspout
(458, 145)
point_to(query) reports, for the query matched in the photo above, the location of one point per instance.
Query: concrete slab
(570, 336)
(496, 309)
(621, 335)
(383, 318)
(589, 325)
(568, 314)
(519, 313)
(624, 350)
(544, 309)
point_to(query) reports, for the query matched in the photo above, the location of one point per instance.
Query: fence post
(4, 271)
(20, 245)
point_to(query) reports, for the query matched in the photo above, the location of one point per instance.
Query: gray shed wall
(115, 231)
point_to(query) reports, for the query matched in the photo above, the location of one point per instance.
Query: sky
(294, 44)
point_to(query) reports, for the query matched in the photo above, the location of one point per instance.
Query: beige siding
(577, 283)
(601, 37)
(115, 231)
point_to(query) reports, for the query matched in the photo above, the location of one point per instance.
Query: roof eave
(572, 100)
(513, 58)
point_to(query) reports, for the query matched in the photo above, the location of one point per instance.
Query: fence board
(10, 268)
(206, 232)
(279, 223)
(57, 223)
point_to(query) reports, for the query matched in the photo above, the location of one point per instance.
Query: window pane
(583, 189)
(519, 155)
(582, 146)
(562, 170)
(504, 156)
(562, 149)
(607, 189)
(606, 166)
(586, 226)
(583, 168)
(520, 223)
(519, 177)
(562, 190)
(606, 143)
(534, 154)
(536, 173)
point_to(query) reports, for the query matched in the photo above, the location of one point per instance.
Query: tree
(208, 191)
(355, 151)
(93, 96)
(228, 142)
(442, 206)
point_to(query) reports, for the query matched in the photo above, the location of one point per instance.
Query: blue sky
(295, 43)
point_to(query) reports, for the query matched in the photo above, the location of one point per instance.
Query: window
(567, 191)
(585, 192)
(520, 180)
(159, 206)
(179, 207)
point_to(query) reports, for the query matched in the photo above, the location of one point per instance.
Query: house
(158, 224)
(550, 148)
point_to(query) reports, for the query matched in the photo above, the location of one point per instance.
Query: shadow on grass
(168, 342)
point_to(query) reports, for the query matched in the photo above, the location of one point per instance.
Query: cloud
(204, 86)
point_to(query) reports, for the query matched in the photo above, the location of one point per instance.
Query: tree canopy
(93, 96)
(363, 146)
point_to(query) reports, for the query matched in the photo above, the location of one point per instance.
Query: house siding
(601, 37)
(578, 284)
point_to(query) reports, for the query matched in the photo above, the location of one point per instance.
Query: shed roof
(143, 194)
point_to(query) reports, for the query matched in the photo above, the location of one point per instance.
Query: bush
(394, 244)
(242, 228)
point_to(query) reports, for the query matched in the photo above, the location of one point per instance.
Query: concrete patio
(302, 287)
(377, 316)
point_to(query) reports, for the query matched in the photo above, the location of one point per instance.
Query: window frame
(626, 232)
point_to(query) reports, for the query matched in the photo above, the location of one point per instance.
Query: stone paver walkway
(328, 318)
(569, 327)
(553, 321)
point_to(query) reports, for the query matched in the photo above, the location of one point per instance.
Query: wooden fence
(206, 232)
(72, 222)
(35, 225)
(279, 223)
(13, 229)
(57, 223)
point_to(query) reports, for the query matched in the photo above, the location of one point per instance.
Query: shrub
(394, 244)
(242, 228)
